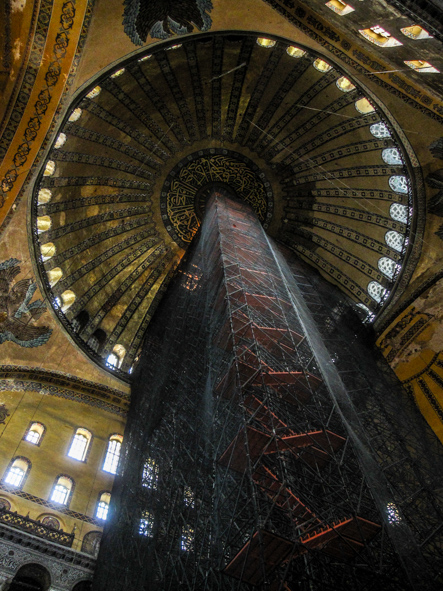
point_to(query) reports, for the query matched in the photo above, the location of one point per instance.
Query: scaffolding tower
(266, 447)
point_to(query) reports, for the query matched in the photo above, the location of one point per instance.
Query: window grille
(379, 130)
(392, 156)
(399, 212)
(376, 291)
(399, 184)
(387, 266)
(395, 240)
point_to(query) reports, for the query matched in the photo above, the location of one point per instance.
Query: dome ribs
(283, 120)
(140, 113)
(122, 246)
(258, 92)
(144, 267)
(243, 61)
(197, 88)
(130, 131)
(270, 109)
(151, 93)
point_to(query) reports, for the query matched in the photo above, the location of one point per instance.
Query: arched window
(48, 250)
(44, 196)
(103, 506)
(62, 490)
(380, 130)
(344, 84)
(17, 472)
(146, 525)
(61, 140)
(43, 223)
(339, 7)
(150, 474)
(387, 266)
(67, 299)
(363, 106)
(94, 93)
(115, 358)
(376, 291)
(49, 168)
(188, 497)
(80, 444)
(392, 156)
(321, 66)
(379, 36)
(97, 340)
(295, 51)
(187, 539)
(395, 240)
(399, 212)
(35, 433)
(399, 184)
(113, 454)
(268, 43)
(118, 73)
(75, 115)
(422, 67)
(415, 32)
(54, 276)
(80, 321)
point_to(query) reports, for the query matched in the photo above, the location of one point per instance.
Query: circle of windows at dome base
(295, 51)
(399, 212)
(376, 291)
(388, 267)
(363, 106)
(75, 115)
(392, 156)
(369, 315)
(321, 66)
(61, 140)
(380, 130)
(268, 43)
(395, 240)
(345, 85)
(399, 184)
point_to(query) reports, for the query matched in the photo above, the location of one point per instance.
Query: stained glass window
(399, 184)
(80, 444)
(103, 506)
(150, 474)
(395, 240)
(62, 490)
(376, 291)
(399, 212)
(146, 524)
(387, 266)
(187, 539)
(392, 156)
(113, 454)
(379, 130)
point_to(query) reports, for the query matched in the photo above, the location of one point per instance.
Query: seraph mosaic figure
(163, 18)
(17, 314)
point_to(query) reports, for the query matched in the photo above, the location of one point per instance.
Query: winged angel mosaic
(163, 18)
(17, 314)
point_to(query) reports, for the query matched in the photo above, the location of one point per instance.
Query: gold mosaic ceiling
(335, 178)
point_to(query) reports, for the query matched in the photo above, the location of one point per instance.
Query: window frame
(25, 473)
(29, 429)
(88, 446)
(99, 502)
(70, 491)
(113, 437)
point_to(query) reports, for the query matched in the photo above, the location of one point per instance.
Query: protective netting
(266, 445)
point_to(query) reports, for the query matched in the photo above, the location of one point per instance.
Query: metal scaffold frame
(265, 448)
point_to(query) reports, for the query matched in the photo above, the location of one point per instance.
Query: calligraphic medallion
(192, 181)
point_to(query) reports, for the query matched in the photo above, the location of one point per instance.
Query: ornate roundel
(191, 182)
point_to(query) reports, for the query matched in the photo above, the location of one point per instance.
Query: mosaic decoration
(3, 416)
(189, 184)
(17, 314)
(162, 18)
